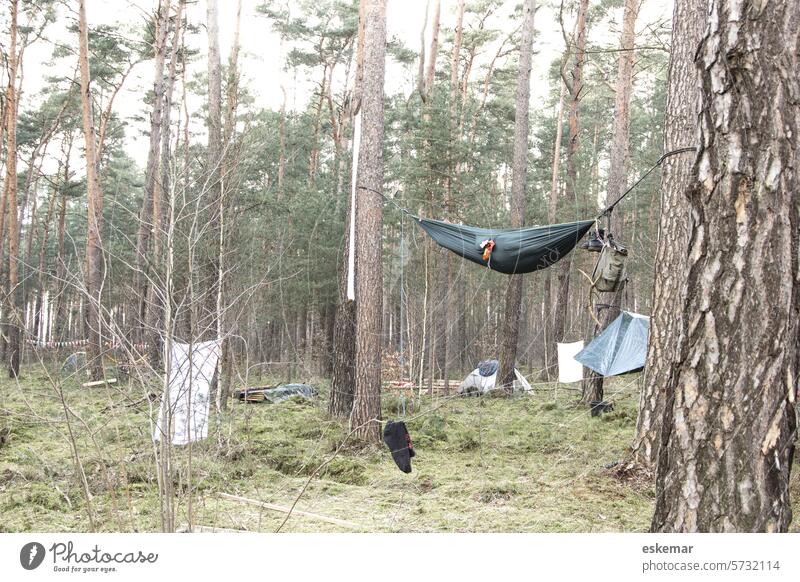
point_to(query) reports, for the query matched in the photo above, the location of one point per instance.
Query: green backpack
(609, 273)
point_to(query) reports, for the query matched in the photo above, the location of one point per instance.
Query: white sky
(261, 52)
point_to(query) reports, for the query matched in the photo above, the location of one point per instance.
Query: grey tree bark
(729, 425)
(344, 347)
(680, 130)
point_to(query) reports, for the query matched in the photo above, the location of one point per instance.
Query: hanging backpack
(609, 273)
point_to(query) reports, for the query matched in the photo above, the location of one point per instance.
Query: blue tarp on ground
(621, 348)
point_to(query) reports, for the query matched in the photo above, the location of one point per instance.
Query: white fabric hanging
(189, 383)
(569, 370)
(525, 386)
(351, 254)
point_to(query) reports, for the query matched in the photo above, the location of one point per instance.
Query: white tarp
(569, 370)
(189, 382)
(524, 384)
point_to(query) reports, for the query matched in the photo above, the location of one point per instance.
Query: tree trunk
(433, 53)
(443, 310)
(575, 87)
(151, 175)
(344, 331)
(13, 316)
(344, 352)
(617, 176)
(510, 334)
(680, 129)
(550, 290)
(369, 216)
(729, 424)
(215, 187)
(60, 284)
(155, 304)
(40, 275)
(94, 249)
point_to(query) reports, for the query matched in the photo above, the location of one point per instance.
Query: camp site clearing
(529, 463)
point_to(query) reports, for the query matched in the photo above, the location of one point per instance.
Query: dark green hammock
(521, 250)
(515, 251)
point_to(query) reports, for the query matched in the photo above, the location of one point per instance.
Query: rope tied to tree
(610, 208)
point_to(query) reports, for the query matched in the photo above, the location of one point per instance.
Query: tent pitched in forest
(621, 348)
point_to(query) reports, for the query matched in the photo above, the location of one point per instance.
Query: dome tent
(621, 348)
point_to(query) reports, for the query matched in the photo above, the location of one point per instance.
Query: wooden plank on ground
(99, 383)
(196, 528)
(283, 509)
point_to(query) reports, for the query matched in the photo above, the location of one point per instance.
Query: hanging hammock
(510, 251)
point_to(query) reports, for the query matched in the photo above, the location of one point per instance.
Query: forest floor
(530, 463)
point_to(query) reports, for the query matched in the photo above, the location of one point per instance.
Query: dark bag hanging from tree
(396, 437)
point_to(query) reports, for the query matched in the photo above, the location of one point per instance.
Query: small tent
(621, 348)
(483, 379)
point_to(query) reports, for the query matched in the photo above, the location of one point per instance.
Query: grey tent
(621, 348)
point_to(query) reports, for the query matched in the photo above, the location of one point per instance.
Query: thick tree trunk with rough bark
(729, 424)
(344, 329)
(343, 375)
(617, 175)
(369, 217)
(680, 130)
(94, 249)
(510, 334)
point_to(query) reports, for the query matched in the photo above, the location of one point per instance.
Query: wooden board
(283, 509)
(99, 383)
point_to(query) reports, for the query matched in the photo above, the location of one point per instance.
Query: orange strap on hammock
(488, 247)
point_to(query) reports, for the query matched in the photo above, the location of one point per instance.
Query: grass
(524, 464)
